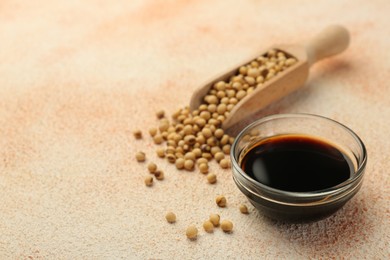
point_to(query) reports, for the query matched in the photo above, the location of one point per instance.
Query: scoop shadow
(337, 67)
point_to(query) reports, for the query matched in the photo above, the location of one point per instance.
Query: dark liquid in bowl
(297, 163)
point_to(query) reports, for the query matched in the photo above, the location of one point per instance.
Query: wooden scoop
(332, 40)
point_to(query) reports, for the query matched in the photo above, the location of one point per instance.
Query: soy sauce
(297, 163)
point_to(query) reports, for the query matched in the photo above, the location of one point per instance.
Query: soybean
(152, 167)
(192, 232)
(158, 139)
(214, 218)
(170, 217)
(211, 178)
(179, 163)
(148, 181)
(137, 134)
(160, 152)
(189, 165)
(204, 167)
(243, 209)
(160, 114)
(153, 131)
(221, 201)
(208, 226)
(140, 156)
(226, 226)
(224, 163)
(159, 174)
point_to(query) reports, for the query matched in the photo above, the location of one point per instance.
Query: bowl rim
(307, 194)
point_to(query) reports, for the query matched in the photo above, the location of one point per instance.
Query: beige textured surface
(76, 77)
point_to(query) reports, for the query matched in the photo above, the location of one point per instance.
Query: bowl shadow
(344, 228)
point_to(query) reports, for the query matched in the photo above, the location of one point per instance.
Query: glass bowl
(299, 206)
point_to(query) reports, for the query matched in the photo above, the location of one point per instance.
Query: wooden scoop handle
(330, 41)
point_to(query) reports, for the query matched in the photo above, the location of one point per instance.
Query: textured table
(77, 77)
